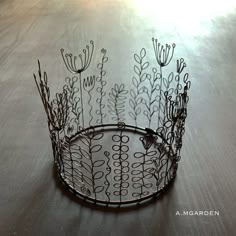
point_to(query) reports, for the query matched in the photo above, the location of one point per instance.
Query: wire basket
(117, 144)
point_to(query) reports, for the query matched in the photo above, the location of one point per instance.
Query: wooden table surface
(32, 202)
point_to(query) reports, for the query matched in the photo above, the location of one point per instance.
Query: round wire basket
(117, 144)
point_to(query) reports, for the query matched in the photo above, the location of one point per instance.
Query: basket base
(116, 164)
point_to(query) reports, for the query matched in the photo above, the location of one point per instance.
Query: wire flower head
(147, 141)
(85, 59)
(163, 54)
(89, 83)
(180, 65)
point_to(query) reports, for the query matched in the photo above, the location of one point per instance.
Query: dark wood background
(32, 202)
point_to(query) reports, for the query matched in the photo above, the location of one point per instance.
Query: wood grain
(32, 202)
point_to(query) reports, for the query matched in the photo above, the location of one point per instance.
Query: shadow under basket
(103, 153)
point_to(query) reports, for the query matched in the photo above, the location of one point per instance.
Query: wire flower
(89, 83)
(57, 109)
(180, 65)
(85, 59)
(163, 53)
(147, 141)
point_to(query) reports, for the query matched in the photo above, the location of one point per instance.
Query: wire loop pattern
(120, 146)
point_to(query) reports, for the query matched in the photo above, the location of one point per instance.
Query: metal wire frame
(118, 174)
(113, 166)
